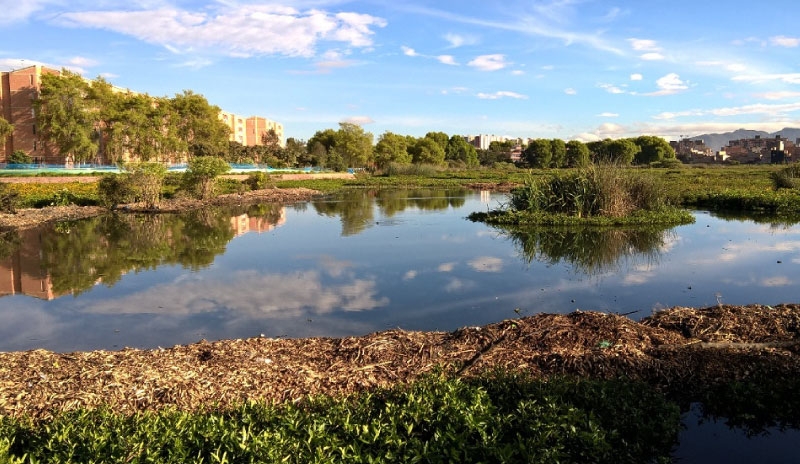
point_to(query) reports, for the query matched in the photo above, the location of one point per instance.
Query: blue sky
(570, 69)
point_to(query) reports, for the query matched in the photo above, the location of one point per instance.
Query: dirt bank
(679, 348)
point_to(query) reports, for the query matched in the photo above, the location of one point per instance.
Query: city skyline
(566, 69)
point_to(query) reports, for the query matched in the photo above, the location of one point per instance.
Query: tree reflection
(356, 208)
(591, 250)
(775, 221)
(79, 254)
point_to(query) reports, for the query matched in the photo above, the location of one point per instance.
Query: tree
(294, 152)
(558, 153)
(577, 154)
(391, 148)
(619, 151)
(652, 149)
(272, 144)
(539, 153)
(6, 129)
(65, 117)
(460, 150)
(440, 138)
(353, 144)
(19, 157)
(197, 123)
(426, 151)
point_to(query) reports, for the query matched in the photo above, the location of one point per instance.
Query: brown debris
(216, 374)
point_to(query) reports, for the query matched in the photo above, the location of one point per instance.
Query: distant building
(760, 150)
(692, 151)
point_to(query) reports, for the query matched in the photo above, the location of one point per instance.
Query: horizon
(569, 69)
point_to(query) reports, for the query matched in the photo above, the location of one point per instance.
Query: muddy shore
(675, 349)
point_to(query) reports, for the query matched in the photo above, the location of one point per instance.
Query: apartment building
(19, 88)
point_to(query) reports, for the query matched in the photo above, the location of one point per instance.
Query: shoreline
(677, 349)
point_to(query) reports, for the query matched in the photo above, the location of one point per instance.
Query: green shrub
(115, 189)
(19, 157)
(64, 198)
(199, 178)
(258, 180)
(422, 170)
(786, 178)
(9, 199)
(146, 180)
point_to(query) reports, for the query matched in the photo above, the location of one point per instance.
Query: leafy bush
(9, 199)
(64, 198)
(19, 157)
(146, 180)
(258, 180)
(199, 178)
(114, 189)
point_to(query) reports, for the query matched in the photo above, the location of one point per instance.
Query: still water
(360, 263)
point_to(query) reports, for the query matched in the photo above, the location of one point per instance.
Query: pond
(373, 260)
(367, 261)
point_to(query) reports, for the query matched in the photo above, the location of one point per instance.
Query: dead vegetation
(217, 374)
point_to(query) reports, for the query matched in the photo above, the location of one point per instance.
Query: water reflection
(71, 257)
(356, 209)
(590, 250)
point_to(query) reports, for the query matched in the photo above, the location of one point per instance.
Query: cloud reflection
(486, 264)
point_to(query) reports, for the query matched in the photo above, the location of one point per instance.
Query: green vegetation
(599, 195)
(496, 418)
(9, 199)
(19, 157)
(200, 177)
(6, 129)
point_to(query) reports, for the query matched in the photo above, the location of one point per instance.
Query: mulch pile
(677, 348)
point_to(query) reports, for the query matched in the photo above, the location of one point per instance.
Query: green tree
(440, 138)
(558, 153)
(146, 180)
(19, 157)
(460, 150)
(619, 151)
(197, 123)
(539, 153)
(271, 144)
(353, 145)
(6, 129)
(391, 148)
(65, 116)
(202, 173)
(294, 151)
(577, 154)
(652, 149)
(426, 151)
(320, 145)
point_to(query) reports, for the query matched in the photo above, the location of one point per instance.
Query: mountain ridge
(718, 140)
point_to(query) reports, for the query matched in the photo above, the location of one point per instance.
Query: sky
(569, 69)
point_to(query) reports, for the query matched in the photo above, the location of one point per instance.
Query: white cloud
(517, 72)
(570, 91)
(644, 45)
(486, 264)
(608, 115)
(778, 95)
(489, 62)
(196, 63)
(788, 78)
(359, 120)
(669, 85)
(636, 77)
(458, 40)
(408, 51)
(501, 94)
(259, 29)
(447, 59)
(783, 41)
(652, 56)
(82, 62)
(446, 267)
(760, 108)
(20, 10)
(548, 67)
(610, 88)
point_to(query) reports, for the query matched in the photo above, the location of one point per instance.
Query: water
(369, 262)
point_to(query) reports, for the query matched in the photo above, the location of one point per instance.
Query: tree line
(87, 120)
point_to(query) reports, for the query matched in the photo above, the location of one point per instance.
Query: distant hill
(717, 141)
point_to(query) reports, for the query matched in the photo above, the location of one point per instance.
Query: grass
(437, 419)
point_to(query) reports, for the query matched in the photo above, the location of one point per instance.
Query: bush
(146, 180)
(258, 180)
(114, 189)
(200, 178)
(422, 170)
(9, 199)
(19, 157)
(786, 178)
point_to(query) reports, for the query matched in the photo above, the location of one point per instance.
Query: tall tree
(652, 149)
(6, 129)
(619, 151)
(391, 148)
(354, 145)
(198, 124)
(577, 154)
(440, 138)
(426, 151)
(460, 150)
(294, 152)
(65, 116)
(272, 144)
(538, 153)
(558, 153)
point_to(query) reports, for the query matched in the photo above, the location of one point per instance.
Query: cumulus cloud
(447, 59)
(570, 91)
(408, 51)
(610, 88)
(652, 56)
(645, 45)
(783, 41)
(636, 77)
(669, 85)
(259, 29)
(501, 94)
(494, 62)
